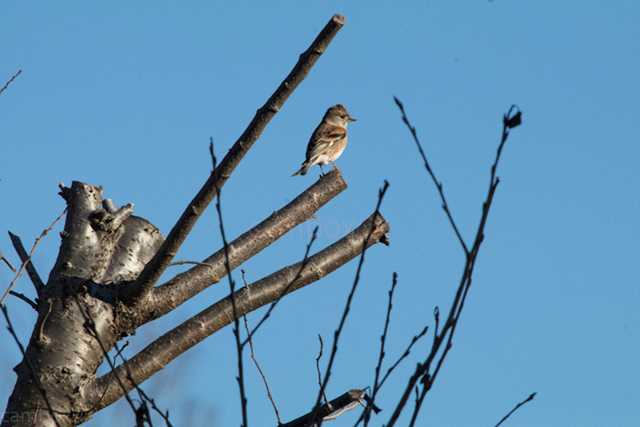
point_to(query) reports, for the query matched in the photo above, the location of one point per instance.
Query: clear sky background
(127, 95)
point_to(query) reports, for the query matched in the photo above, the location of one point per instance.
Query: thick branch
(185, 285)
(175, 342)
(154, 269)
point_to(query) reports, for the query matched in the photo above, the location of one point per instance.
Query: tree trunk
(102, 249)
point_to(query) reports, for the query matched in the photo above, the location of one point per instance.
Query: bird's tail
(303, 169)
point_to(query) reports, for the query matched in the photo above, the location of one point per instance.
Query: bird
(328, 140)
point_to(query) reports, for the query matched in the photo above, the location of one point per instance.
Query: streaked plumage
(329, 139)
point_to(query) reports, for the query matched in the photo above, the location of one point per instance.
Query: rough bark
(99, 252)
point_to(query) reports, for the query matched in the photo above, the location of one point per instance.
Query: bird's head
(338, 115)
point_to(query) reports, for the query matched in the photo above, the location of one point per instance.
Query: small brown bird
(329, 139)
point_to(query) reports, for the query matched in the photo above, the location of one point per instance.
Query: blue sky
(127, 95)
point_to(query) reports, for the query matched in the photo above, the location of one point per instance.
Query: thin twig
(319, 373)
(255, 360)
(33, 249)
(25, 298)
(436, 182)
(443, 339)
(144, 397)
(7, 262)
(515, 408)
(37, 282)
(404, 355)
(303, 265)
(381, 355)
(232, 292)
(34, 377)
(6, 85)
(345, 312)
(120, 350)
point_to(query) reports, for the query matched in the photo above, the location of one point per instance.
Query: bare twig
(11, 79)
(33, 249)
(303, 264)
(37, 282)
(404, 355)
(7, 262)
(324, 396)
(232, 293)
(436, 182)
(156, 267)
(515, 408)
(34, 377)
(381, 355)
(144, 397)
(345, 312)
(443, 339)
(255, 361)
(25, 298)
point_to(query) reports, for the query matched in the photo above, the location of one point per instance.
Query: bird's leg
(321, 170)
(334, 165)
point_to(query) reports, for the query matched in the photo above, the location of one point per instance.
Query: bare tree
(104, 285)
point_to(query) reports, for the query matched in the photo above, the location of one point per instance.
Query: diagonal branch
(184, 286)
(436, 182)
(38, 284)
(8, 82)
(515, 408)
(24, 298)
(33, 249)
(257, 364)
(154, 269)
(273, 305)
(7, 262)
(175, 342)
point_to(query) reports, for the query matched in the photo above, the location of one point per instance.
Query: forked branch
(425, 373)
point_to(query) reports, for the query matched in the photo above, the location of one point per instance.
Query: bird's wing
(324, 137)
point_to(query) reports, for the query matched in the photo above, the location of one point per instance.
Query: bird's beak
(351, 119)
